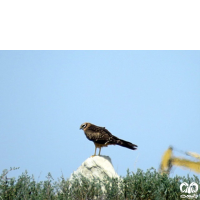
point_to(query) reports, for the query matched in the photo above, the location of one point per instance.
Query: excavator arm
(168, 160)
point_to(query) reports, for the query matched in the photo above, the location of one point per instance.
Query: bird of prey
(102, 137)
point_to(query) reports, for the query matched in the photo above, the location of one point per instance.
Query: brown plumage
(102, 137)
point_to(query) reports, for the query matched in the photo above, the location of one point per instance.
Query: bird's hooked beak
(81, 127)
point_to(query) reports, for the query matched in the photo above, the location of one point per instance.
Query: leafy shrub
(140, 185)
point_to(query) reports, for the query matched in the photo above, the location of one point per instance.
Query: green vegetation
(139, 185)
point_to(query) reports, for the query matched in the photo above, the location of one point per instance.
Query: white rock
(99, 167)
(96, 167)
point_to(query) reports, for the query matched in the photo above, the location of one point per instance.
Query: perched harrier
(102, 137)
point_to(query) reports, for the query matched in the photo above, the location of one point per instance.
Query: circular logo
(181, 187)
(192, 188)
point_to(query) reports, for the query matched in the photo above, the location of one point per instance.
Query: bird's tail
(126, 144)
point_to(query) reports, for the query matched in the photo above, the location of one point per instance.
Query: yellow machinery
(168, 160)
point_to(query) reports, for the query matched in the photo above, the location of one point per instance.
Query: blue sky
(150, 98)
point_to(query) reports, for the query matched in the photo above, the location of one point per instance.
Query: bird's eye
(84, 125)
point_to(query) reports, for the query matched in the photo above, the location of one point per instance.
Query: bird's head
(84, 125)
